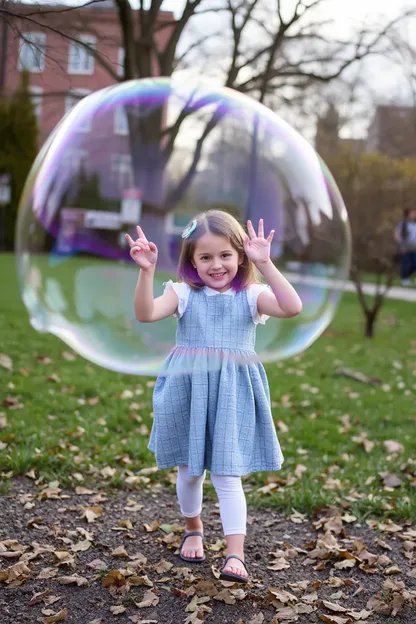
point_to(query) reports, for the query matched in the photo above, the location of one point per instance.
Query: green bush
(18, 149)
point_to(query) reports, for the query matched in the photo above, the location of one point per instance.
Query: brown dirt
(57, 526)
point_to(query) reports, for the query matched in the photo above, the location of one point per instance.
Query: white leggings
(231, 497)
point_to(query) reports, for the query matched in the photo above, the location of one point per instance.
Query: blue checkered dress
(214, 417)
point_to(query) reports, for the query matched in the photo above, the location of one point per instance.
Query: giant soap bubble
(156, 152)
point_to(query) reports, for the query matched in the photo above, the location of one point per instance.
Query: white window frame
(32, 43)
(71, 100)
(122, 170)
(75, 58)
(36, 95)
(121, 124)
(120, 62)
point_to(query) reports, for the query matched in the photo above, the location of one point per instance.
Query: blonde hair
(219, 223)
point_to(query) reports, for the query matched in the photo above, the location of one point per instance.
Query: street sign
(102, 220)
(131, 206)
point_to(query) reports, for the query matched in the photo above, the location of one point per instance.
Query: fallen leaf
(120, 551)
(150, 528)
(390, 480)
(333, 606)
(117, 609)
(163, 566)
(334, 619)
(392, 446)
(81, 546)
(225, 596)
(81, 581)
(6, 362)
(394, 569)
(149, 600)
(57, 617)
(114, 579)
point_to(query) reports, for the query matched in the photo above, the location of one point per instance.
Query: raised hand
(143, 252)
(257, 247)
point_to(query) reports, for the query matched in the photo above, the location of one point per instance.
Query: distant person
(405, 237)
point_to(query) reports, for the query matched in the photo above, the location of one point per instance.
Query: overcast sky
(387, 82)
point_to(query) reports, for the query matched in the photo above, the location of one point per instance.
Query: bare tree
(273, 50)
(376, 189)
(268, 48)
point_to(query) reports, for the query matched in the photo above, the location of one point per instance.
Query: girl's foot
(234, 566)
(192, 547)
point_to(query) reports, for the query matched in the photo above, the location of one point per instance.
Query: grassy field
(66, 419)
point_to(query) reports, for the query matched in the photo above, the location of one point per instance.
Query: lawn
(345, 442)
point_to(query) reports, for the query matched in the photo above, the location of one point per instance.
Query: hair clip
(189, 229)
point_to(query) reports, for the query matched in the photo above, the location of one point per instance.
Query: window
(80, 59)
(121, 124)
(122, 171)
(32, 52)
(36, 96)
(120, 62)
(71, 100)
(74, 160)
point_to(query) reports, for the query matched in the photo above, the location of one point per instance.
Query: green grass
(371, 278)
(60, 430)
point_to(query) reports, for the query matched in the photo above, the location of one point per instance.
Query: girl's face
(216, 261)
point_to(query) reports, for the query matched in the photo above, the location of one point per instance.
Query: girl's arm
(146, 308)
(284, 301)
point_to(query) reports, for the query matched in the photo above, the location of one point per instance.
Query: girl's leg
(233, 512)
(189, 491)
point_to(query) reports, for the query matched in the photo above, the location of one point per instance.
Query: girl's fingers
(140, 232)
(152, 247)
(270, 236)
(261, 229)
(251, 229)
(129, 240)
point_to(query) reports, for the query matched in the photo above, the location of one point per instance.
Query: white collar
(211, 291)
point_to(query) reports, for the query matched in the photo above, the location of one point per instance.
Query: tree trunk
(370, 322)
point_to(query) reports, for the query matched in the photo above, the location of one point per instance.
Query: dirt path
(119, 554)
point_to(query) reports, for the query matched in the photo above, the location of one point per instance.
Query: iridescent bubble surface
(156, 152)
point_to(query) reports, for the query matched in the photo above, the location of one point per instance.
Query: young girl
(220, 419)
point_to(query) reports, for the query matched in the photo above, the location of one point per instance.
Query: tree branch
(167, 56)
(55, 11)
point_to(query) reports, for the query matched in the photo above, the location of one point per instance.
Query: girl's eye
(226, 255)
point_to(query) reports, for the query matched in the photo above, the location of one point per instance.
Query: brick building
(393, 131)
(61, 70)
